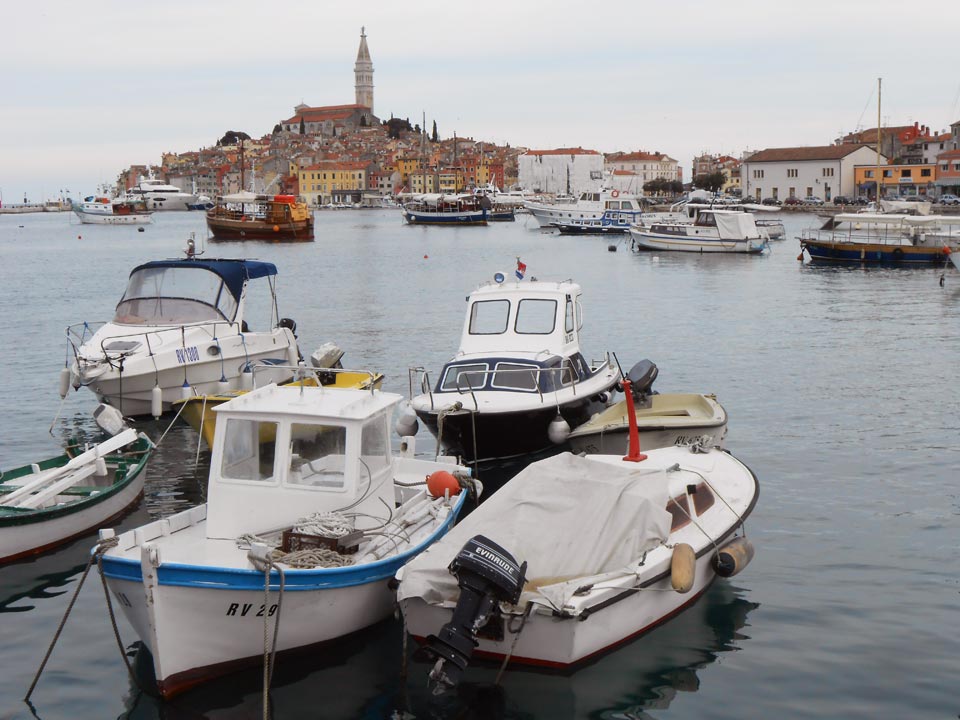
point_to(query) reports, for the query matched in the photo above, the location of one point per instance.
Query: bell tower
(363, 74)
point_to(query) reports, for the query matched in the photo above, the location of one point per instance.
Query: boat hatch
(121, 346)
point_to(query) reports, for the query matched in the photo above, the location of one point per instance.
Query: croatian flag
(521, 269)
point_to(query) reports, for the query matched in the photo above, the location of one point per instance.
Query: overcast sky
(91, 88)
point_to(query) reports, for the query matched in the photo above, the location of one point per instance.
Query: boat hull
(227, 228)
(416, 217)
(104, 219)
(873, 254)
(679, 243)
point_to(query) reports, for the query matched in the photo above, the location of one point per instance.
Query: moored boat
(578, 555)
(251, 216)
(440, 209)
(713, 231)
(611, 222)
(102, 210)
(53, 501)
(181, 328)
(309, 515)
(589, 205)
(882, 239)
(155, 194)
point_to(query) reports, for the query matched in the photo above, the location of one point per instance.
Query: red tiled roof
(563, 151)
(799, 154)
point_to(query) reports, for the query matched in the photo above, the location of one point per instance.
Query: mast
(242, 181)
(879, 137)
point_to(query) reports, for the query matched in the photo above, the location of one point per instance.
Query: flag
(521, 269)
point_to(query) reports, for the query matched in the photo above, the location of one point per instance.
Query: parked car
(949, 199)
(770, 201)
(842, 200)
(792, 201)
(812, 200)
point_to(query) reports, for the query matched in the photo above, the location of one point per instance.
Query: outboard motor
(288, 323)
(641, 377)
(487, 574)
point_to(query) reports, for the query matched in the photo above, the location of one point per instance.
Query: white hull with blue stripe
(713, 231)
(193, 585)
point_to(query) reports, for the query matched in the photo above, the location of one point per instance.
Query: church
(332, 120)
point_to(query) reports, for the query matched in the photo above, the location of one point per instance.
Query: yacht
(159, 195)
(589, 206)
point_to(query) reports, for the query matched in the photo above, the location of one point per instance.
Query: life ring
(897, 254)
(615, 193)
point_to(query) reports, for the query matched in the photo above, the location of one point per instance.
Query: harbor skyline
(90, 94)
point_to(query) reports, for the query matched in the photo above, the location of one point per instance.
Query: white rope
(328, 524)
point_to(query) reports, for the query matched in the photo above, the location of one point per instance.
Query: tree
(277, 128)
(435, 137)
(303, 126)
(363, 121)
(232, 137)
(712, 182)
(395, 126)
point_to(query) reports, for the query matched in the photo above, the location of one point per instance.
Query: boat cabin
(180, 292)
(283, 452)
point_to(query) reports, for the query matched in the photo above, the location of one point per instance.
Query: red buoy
(424, 257)
(439, 481)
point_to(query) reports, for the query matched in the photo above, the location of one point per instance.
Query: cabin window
(249, 450)
(317, 454)
(536, 317)
(465, 377)
(489, 317)
(513, 376)
(703, 498)
(679, 510)
(568, 317)
(579, 315)
(375, 444)
(171, 295)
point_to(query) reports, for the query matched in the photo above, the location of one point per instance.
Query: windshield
(175, 295)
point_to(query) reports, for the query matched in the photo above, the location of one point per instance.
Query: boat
(518, 381)
(501, 213)
(202, 202)
(882, 239)
(198, 411)
(713, 231)
(104, 210)
(590, 205)
(577, 556)
(182, 328)
(663, 419)
(250, 216)
(309, 515)
(611, 222)
(441, 209)
(158, 195)
(49, 503)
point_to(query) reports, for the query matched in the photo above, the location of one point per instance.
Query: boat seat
(641, 377)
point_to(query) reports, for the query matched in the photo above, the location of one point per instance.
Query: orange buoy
(440, 481)
(276, 228)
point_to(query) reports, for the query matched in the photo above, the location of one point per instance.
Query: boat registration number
(188, 355)
(245, 609)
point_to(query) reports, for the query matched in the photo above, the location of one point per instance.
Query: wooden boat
(249, 216)
(662, 419)
(51, 502)
(439, 209)
(579, 555)
(314, 516)
(882, 239)
(198, 410)
(518, 381)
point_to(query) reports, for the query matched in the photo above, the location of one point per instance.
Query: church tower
(363, 72)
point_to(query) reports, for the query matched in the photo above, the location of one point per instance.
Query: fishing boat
(309, 515)
(713, 231)
(611, 222)
(252, 216)
(662, 419)
(578, 555)
(882, 239)
(180, 329)
(440, 209)
(48, 503)
(103, 210)
(519, 381)
(590, 205)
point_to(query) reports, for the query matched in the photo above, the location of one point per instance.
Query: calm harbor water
(840, 387)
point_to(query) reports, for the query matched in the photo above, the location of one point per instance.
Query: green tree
(435, 137)
(712, 182)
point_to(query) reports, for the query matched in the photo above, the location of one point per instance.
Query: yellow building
(406, 167)
(450, 180)
(333, 182)
(916, 179)
(424, 182)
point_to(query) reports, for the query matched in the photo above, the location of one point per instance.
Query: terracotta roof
(949, 154)
(563, 151)
(799, 154)
(625, 172)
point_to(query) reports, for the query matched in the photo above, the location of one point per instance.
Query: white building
(564, 170)
(822, 172)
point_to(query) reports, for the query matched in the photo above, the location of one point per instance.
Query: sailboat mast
(879, 135)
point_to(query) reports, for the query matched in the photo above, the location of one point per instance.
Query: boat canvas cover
(234, 272)
(568, 517)
(736, 226)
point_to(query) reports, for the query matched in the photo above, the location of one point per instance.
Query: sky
(91, 88)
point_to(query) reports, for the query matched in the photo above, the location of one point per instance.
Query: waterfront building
(642, 167)
(822, 172)
(892, 139)
(895, 180)
(333, 182)
(948, 172)
(560, 171)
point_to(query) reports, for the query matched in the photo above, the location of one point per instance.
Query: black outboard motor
(641, 377)
(487, 574)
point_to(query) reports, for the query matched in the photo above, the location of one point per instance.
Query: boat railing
(883, 235)
(303, 372)
(77, 335)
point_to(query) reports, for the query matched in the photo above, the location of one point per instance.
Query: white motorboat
(590, 206)
(309, 515)
(103, 210)
(184, 327)
(158, 195)
(578, 555)
(662, 419)
(519, 381)
(713, 231)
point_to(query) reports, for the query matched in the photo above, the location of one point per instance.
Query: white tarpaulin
(567, 516)
(736, 226)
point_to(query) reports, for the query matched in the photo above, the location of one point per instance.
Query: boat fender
(64, 382)
(407, 424)
(185, 391)
(559, 430)
(733, 557)
(246, 378)
(223, 386)
(683, 568)
(156, 401)
(440, 482)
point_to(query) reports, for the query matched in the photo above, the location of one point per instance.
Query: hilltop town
(347, 154)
